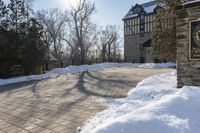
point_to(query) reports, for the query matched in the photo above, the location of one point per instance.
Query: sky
(109, 12)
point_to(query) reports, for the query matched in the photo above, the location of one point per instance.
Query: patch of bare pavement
(60, 105)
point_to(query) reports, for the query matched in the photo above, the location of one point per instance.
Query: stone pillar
(188, 44)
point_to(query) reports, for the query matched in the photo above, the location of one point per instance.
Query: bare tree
(81, 26)
(54, 23)
(110, 43)
(71, 47)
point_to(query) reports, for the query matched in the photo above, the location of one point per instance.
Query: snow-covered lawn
(77, 69)
(154, 106)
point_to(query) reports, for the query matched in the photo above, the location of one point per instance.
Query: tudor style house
(138, 25)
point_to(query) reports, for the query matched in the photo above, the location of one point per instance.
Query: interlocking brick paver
(8, 128)
(65, 123)
(15, 130)
(64, 103)
(5, 125)
(53, 125)
(58, 129)
(36, 129)
(2, 131)
(58, 121)
(46, 131)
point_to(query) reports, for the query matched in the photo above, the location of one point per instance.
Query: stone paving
(60, 105)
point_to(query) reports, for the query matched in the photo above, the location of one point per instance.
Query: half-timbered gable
(138, 25)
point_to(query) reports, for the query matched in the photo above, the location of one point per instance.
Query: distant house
(138, 25)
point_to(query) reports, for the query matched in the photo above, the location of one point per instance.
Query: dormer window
(158, 11)
(142, 18)
(142, 24)
(137, 10)
(139, 19)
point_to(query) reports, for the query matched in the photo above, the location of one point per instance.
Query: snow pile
(28, 78)
(76, 69)
(96, 67)
(154, 106)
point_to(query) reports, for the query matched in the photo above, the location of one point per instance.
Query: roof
(147, 8)
(188, 4)
(184, 2)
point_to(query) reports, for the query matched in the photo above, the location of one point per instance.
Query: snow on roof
(185, 2)
(130, 16)
(146, 7)
(150, 9)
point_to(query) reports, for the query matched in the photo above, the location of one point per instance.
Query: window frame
(133, 25)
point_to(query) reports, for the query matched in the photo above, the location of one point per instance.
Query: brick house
(138, 25)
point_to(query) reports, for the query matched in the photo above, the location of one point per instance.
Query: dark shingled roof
(187, 4)
(149, 7)
(146, 7)
(188, 1)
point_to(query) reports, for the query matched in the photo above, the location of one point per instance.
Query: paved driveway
(64, 103)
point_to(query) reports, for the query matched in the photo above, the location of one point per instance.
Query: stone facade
(134, 50)
(138, 26)
(188, 71)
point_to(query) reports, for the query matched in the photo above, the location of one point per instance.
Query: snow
(154, 106)
(150, 9)
(76, 69)
(130, 16)
(185, 2)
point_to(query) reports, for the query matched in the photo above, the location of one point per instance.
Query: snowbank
(154, 106)
(77, 69)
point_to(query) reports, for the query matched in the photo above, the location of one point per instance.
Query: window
(139, 25)
(142, 19)
(148, 23)
(132, 26)
(137, 10)
(142, 24)
(158, 12)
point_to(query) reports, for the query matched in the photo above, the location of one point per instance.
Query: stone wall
(188, 71)
(132, 52)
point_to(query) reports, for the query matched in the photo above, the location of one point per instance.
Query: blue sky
(108, 11)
